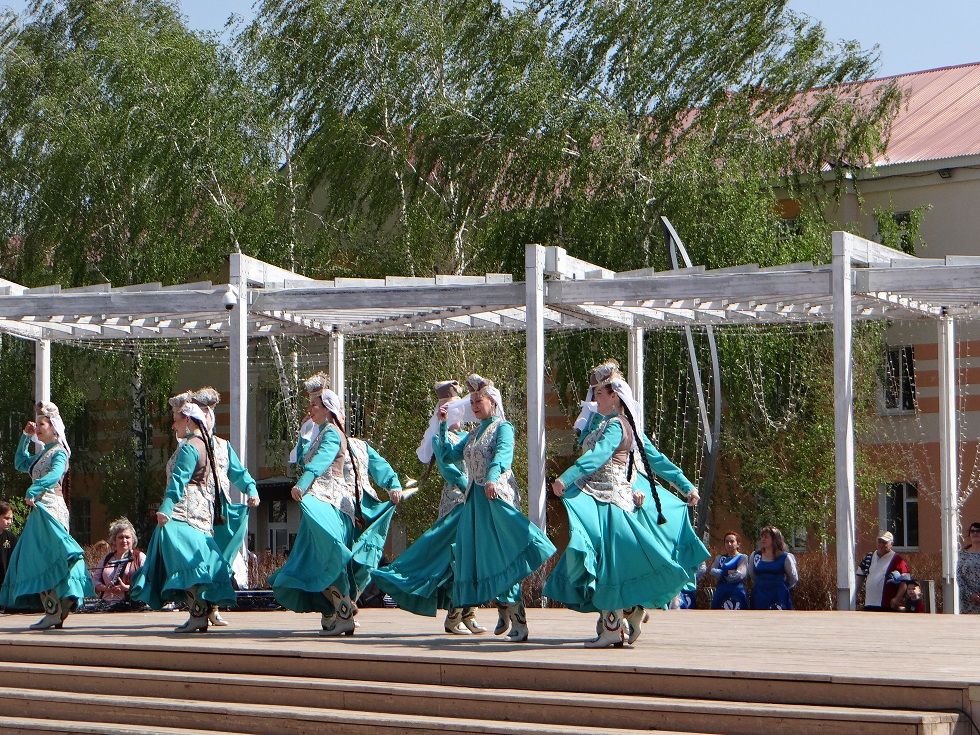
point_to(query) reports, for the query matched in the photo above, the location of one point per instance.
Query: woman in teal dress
(482, 548)
(230, 535)
(459, 620)
(47, 566)
(319, 575)
(183, 561)
(617, 557)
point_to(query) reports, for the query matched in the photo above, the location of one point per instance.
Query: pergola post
(337, 364)
(635, 354)
(534, 262)
(42, 370)
(948, 471)
(843, 420)
(238, 357)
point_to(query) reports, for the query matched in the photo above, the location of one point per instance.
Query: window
(898, 510)
(899, 380)
(278, 532)
(80, 520)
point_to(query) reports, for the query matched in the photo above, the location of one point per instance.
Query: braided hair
(358, 511)
(661, 519)
(217, 514)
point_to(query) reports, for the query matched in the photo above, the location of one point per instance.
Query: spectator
(913, 601)
(728, 571)
(883, 570)
(968, 572)
(115, 571)
(773, 572)
(8, 539)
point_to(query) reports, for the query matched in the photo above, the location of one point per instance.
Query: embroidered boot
(613, 631)
(52, 612)
(214, 617)
(635, 617)
(68, 606)
(470, 621)
(343, 623)
(454, 622)
(503, 620)
(197, 608)
(518, 623)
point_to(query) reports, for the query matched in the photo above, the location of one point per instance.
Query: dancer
(230, 535)
(47, 565)
(613, 561)
(482, 548)
(669, 520)
(459, 621)
(319, 575)
(183, 560)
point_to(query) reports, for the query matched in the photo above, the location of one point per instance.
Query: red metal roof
(939, 116)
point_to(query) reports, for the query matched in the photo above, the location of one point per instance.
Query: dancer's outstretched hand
(162, 519)
(638, 499)
(395, 496)
(693, 498)
(491, 490)
(558, 488)
(296, 493)
(253, 501)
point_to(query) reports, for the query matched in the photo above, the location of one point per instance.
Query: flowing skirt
(320, 558)
(613, 561)
(677, 532)
(180, 557)
(479, 551)
(230, 536)
(45, 557)
(369, 544)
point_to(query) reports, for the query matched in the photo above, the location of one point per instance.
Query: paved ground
(921, 648)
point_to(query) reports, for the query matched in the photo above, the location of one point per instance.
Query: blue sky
(911, 35)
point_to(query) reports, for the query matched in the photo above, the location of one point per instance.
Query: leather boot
(52, 612)
(613, 631)
(470, 621)
(635, 617)
(214, 617)
(343, 623)
(454, 622)
(518, 623)
(197, 608)
(503, 620)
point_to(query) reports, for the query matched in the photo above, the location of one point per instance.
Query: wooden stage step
(271, 673)
(33, 726)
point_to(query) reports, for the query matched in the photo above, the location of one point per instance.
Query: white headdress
(207, 398)
(316, 385)
(184, 402)
(50, 411)
(447, 391)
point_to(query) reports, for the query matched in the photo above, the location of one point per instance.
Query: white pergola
(864, 281)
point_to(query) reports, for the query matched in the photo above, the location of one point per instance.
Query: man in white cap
(885, 576)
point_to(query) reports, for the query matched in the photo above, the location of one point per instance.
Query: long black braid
(661, 519)
(358, 511)
(217, 510)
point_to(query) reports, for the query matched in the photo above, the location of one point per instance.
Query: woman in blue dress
(614, 562)
(459, 620)
(230, 535)
(319, 575)
(183, 562)
(728, 571)
(773, 572)
(47, 565)
(677, 532)
(482, 548)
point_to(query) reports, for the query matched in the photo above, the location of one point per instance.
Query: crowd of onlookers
(762, 580)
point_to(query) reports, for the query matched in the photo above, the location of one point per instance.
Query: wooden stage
(692, 671)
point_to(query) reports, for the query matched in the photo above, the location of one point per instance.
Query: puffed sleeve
(666, 469)
(380, 471)
(503, 453)
(59, 465)
(239, 476)
(450, 471)
(596, 457)
(715, 571)
(792, 575)
(23, 459)
(446, 450)
(183, 471)
(326, 453)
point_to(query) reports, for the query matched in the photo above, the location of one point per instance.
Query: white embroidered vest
(52, 499)
(358, 463)
(196, 508)
(478, 455)
(608, 484)
(335, 486)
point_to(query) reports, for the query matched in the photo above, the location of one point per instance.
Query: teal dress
(46, 557)
(230, 536)
(321, 555)
(482, 548)
(613, 560)
(453, 475)
(182, 554)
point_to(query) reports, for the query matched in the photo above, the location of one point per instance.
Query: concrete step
(261, 719)
(33, 726)
(543, 707)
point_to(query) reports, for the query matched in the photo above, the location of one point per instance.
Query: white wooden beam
(42, 370)
(843, 421)
(337, 364)
(238, 356)
(537, 498)
(115, 303)
(635, 367)
(313, 299)
(948, 474)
